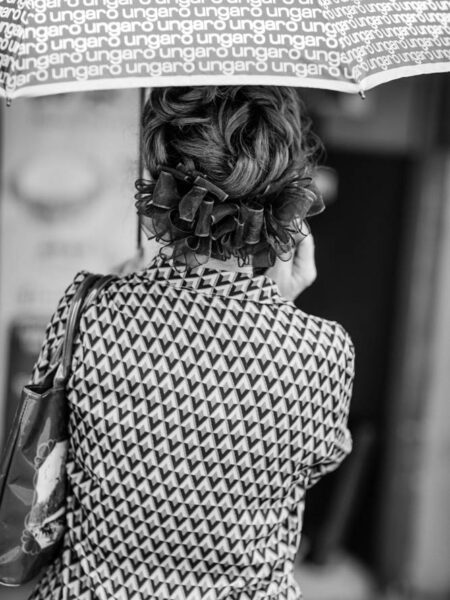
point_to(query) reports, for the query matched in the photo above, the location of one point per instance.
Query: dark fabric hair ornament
(196, 220)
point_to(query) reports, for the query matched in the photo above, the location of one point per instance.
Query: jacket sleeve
(54, 332)
(342, 439)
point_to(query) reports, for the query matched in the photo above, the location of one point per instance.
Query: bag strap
(84, 295)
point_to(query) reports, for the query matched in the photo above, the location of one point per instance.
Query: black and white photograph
(224, 300)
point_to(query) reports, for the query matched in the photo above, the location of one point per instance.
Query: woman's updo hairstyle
(230, 171)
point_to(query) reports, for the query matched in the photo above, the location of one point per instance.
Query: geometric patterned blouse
(202, 407)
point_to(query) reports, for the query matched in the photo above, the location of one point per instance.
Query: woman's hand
(298, 273)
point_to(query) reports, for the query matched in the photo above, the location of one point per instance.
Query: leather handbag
(32, 471)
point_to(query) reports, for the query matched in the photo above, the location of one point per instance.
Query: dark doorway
(357, 240)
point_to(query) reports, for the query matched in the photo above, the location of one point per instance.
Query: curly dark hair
(255, 143)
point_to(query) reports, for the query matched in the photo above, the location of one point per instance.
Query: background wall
(68, 169)
(429, 567)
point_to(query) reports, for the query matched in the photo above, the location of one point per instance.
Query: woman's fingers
(304, 269)
(295, 275)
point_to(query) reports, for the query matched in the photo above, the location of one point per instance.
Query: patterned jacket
(202, 407)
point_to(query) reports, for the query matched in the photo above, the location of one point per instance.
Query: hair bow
(190, 213)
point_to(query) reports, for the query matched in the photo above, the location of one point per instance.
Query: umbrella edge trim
(187, 80)
(371, 81)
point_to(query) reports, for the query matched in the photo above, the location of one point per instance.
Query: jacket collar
(212, 281)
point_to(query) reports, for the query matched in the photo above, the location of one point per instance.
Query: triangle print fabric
(202, 406)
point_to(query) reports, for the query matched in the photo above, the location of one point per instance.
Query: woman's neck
(231, 264)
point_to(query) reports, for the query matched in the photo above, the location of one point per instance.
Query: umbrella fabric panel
(137, 42)
(51, 46)
(390, 39)
(13, 19)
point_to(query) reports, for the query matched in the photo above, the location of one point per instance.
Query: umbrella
(49, 46)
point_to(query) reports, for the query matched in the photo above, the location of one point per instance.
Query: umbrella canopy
(54, 46)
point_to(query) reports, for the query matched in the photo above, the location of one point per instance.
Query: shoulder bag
(32, 470)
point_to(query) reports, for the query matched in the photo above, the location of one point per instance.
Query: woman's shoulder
(318, 334)
(311, 332)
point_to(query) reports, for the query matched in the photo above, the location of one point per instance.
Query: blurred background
(379, 527)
